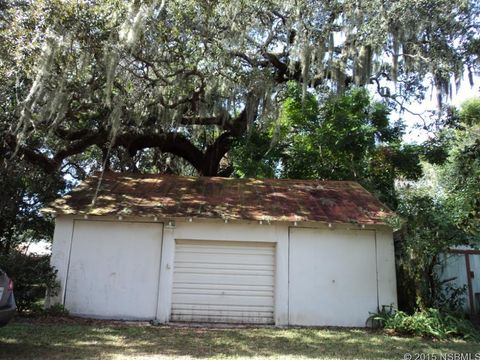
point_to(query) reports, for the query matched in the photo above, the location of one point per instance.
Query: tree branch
(30, 155)
(174, 143)
(216, 151)
(223, 121)
(93, 138)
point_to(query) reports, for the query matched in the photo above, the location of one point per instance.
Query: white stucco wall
(339, 276)
(333, 280)
(277, 233)
(387, 278)
(62, 241)
(114, 269)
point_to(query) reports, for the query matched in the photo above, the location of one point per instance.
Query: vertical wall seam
(376, 270)
(288, 278)
(277, 279)
(471, 300)
(173, 258)
(68, 263)
(159, 269)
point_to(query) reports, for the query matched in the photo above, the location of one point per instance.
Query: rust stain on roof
(223, 198)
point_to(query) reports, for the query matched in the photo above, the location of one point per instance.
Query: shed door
(333, 277)
(114, 269)
(217, 281)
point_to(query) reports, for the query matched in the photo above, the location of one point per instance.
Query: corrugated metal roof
(224, 198)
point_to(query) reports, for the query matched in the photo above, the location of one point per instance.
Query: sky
(465, 92)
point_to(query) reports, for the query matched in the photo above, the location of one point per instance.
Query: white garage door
(333, 278)
(216, 281)
(114, 269)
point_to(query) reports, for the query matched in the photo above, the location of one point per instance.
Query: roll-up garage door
(223, 281)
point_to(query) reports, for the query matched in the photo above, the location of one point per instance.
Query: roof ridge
(97, 173)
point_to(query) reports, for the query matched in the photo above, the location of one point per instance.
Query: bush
(427, 323)
(450, 298)
(32, 276)
(56, 310)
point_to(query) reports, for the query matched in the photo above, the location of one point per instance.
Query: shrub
(32, 276)
(56, 310)
(450, 298)
(427, 323)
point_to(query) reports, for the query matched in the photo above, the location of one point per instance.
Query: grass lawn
(79, 339)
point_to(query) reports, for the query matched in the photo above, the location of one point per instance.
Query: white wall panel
(333, 277)
(387, 277)
(62, 241)
(114, 269)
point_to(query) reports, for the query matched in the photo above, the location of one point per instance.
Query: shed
(210, 249)
(459, 269)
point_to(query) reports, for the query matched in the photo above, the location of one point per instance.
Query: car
(7, 299)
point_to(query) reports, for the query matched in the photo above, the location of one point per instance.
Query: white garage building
(284, 252)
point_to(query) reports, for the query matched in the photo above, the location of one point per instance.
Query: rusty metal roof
(222, 198)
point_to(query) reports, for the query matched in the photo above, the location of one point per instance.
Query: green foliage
(470, 112)
(427, 323)
(428, 230)
(461, 174)
(32, 276)
(436, 150)
(25, 189)
(56, 310)
(346, 137)
(255, 155)
(450, 298)
(441, 211)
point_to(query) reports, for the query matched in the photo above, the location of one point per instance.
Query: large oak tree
(116, 83)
